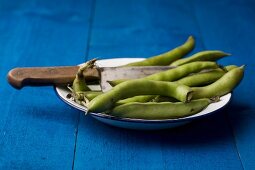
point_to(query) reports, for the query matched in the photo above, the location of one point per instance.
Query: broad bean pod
(222, 86)
(156, 111)
(137, 87)
(168, 57)
(79, 83)
(211, 55)
(175, 73)
(140, 99)
(198, 79)
(204, 78)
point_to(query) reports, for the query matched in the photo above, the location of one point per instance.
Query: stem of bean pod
(215, 99)
(87, 65)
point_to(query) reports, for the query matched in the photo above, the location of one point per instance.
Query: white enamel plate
(138, 123)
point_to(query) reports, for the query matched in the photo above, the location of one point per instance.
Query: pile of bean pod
(188, 88)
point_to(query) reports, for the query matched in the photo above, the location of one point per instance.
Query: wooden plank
(137, 26)
(230, 27)
(37, 130)
(142, 29)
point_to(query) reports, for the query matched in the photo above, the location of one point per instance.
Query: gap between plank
(226, 115)
(91, 19)
(193, 14)
(232, 134)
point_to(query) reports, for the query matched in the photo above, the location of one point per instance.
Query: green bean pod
(198, 79)
(138, 87)
(201, 79)
(168, 57)
(159, 111)
(182, 71)
(79, 83)
(193, 80)
(140, 99)
(204, 78)
(212, 55)
(222, 86)
(175, 73)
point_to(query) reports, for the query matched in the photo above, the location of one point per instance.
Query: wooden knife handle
(40, 76)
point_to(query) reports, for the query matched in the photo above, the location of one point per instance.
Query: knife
(63, 75)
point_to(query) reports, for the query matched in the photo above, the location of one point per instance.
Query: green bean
(157, 111)
(199, 79)
(204, 78)
(137, 87)
(146, 98)
(176, 73)
(201, 56)
(181, 71)
(193, 80)
(168, 57)
(222, 86)
(79, 83)
(140, 99)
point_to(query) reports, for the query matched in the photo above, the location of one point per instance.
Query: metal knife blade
(115, 73)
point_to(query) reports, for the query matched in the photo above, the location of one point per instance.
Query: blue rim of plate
(105, 116)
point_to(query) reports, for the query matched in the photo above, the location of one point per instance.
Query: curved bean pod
(176, 73)
(79, 83)
(212, 55)
(156, 111)
(222, 86)
(201, 79)
(182, 71)
(140, 99)
(204, 78)
(168, 57)
(194, 80)
(138, 87)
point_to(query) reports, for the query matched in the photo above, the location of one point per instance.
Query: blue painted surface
(38, 131)
(236, 24)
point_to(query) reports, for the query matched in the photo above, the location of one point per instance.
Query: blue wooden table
(38, 131)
